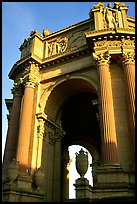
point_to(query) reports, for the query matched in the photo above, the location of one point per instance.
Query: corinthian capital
(128, 58)
(30, 81)
(60, 133)
(17, 89)
(101, 58)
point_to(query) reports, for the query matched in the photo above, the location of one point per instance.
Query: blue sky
(20, 18)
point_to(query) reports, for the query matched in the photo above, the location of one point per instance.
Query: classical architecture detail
(57, 47)
(26, 47)
(38, 178)
(17, 89)
(13, 170)
(106, 109)
(59, 134)
(52, 137)
(102, 58)
(128, 57)
(74, 86)
(111, 17)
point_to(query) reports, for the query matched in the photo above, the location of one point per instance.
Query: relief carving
(58, 46)
(66, 43)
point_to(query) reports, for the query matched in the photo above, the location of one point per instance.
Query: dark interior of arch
(79, 119)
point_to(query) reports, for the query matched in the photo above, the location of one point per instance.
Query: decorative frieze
(58, 46)
(65, 44)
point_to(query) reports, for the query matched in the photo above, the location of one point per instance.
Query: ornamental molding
(109, 31)
(113, 44)
(64, 57)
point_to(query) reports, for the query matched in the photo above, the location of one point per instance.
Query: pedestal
(83, 189)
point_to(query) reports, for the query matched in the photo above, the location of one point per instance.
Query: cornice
(19, 65)
(108, 31)
(131, 18)
(65, 57)
(68, 28)
(49, 61)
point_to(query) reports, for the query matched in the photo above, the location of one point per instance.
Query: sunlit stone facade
(74, 86)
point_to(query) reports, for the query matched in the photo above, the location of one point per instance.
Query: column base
(21, 190)
(113, 182)
(83, 189)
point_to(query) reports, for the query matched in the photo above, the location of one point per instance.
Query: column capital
(59, 134)
(101, 58)
(128, 57)
(40, 128)
(30, 81)
(51, 136)
(16, 90)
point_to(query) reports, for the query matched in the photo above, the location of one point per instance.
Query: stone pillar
(106, 109)
(57, 166)
(13, 128)
(25, 124)
(66, 160)
(129, 72)
(40, 137)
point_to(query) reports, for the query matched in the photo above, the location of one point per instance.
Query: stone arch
(65, 88)
(58, 98)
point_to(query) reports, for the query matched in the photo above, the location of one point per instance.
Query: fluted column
(66, 163)
(25, 124)
(13, 128)
(108, 131)
(57, 166)
(40, 137)
(129, 72)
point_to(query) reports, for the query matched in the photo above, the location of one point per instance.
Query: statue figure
(62, 44)
(110, 17)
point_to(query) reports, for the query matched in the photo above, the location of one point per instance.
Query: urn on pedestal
(82, 162)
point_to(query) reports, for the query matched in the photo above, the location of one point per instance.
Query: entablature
(112, 40)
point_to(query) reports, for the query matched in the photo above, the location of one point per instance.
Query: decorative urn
(13, 170)
(82, 162)
(39, 177)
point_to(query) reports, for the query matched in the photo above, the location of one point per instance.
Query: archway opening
(73, 174)
(79, 119)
